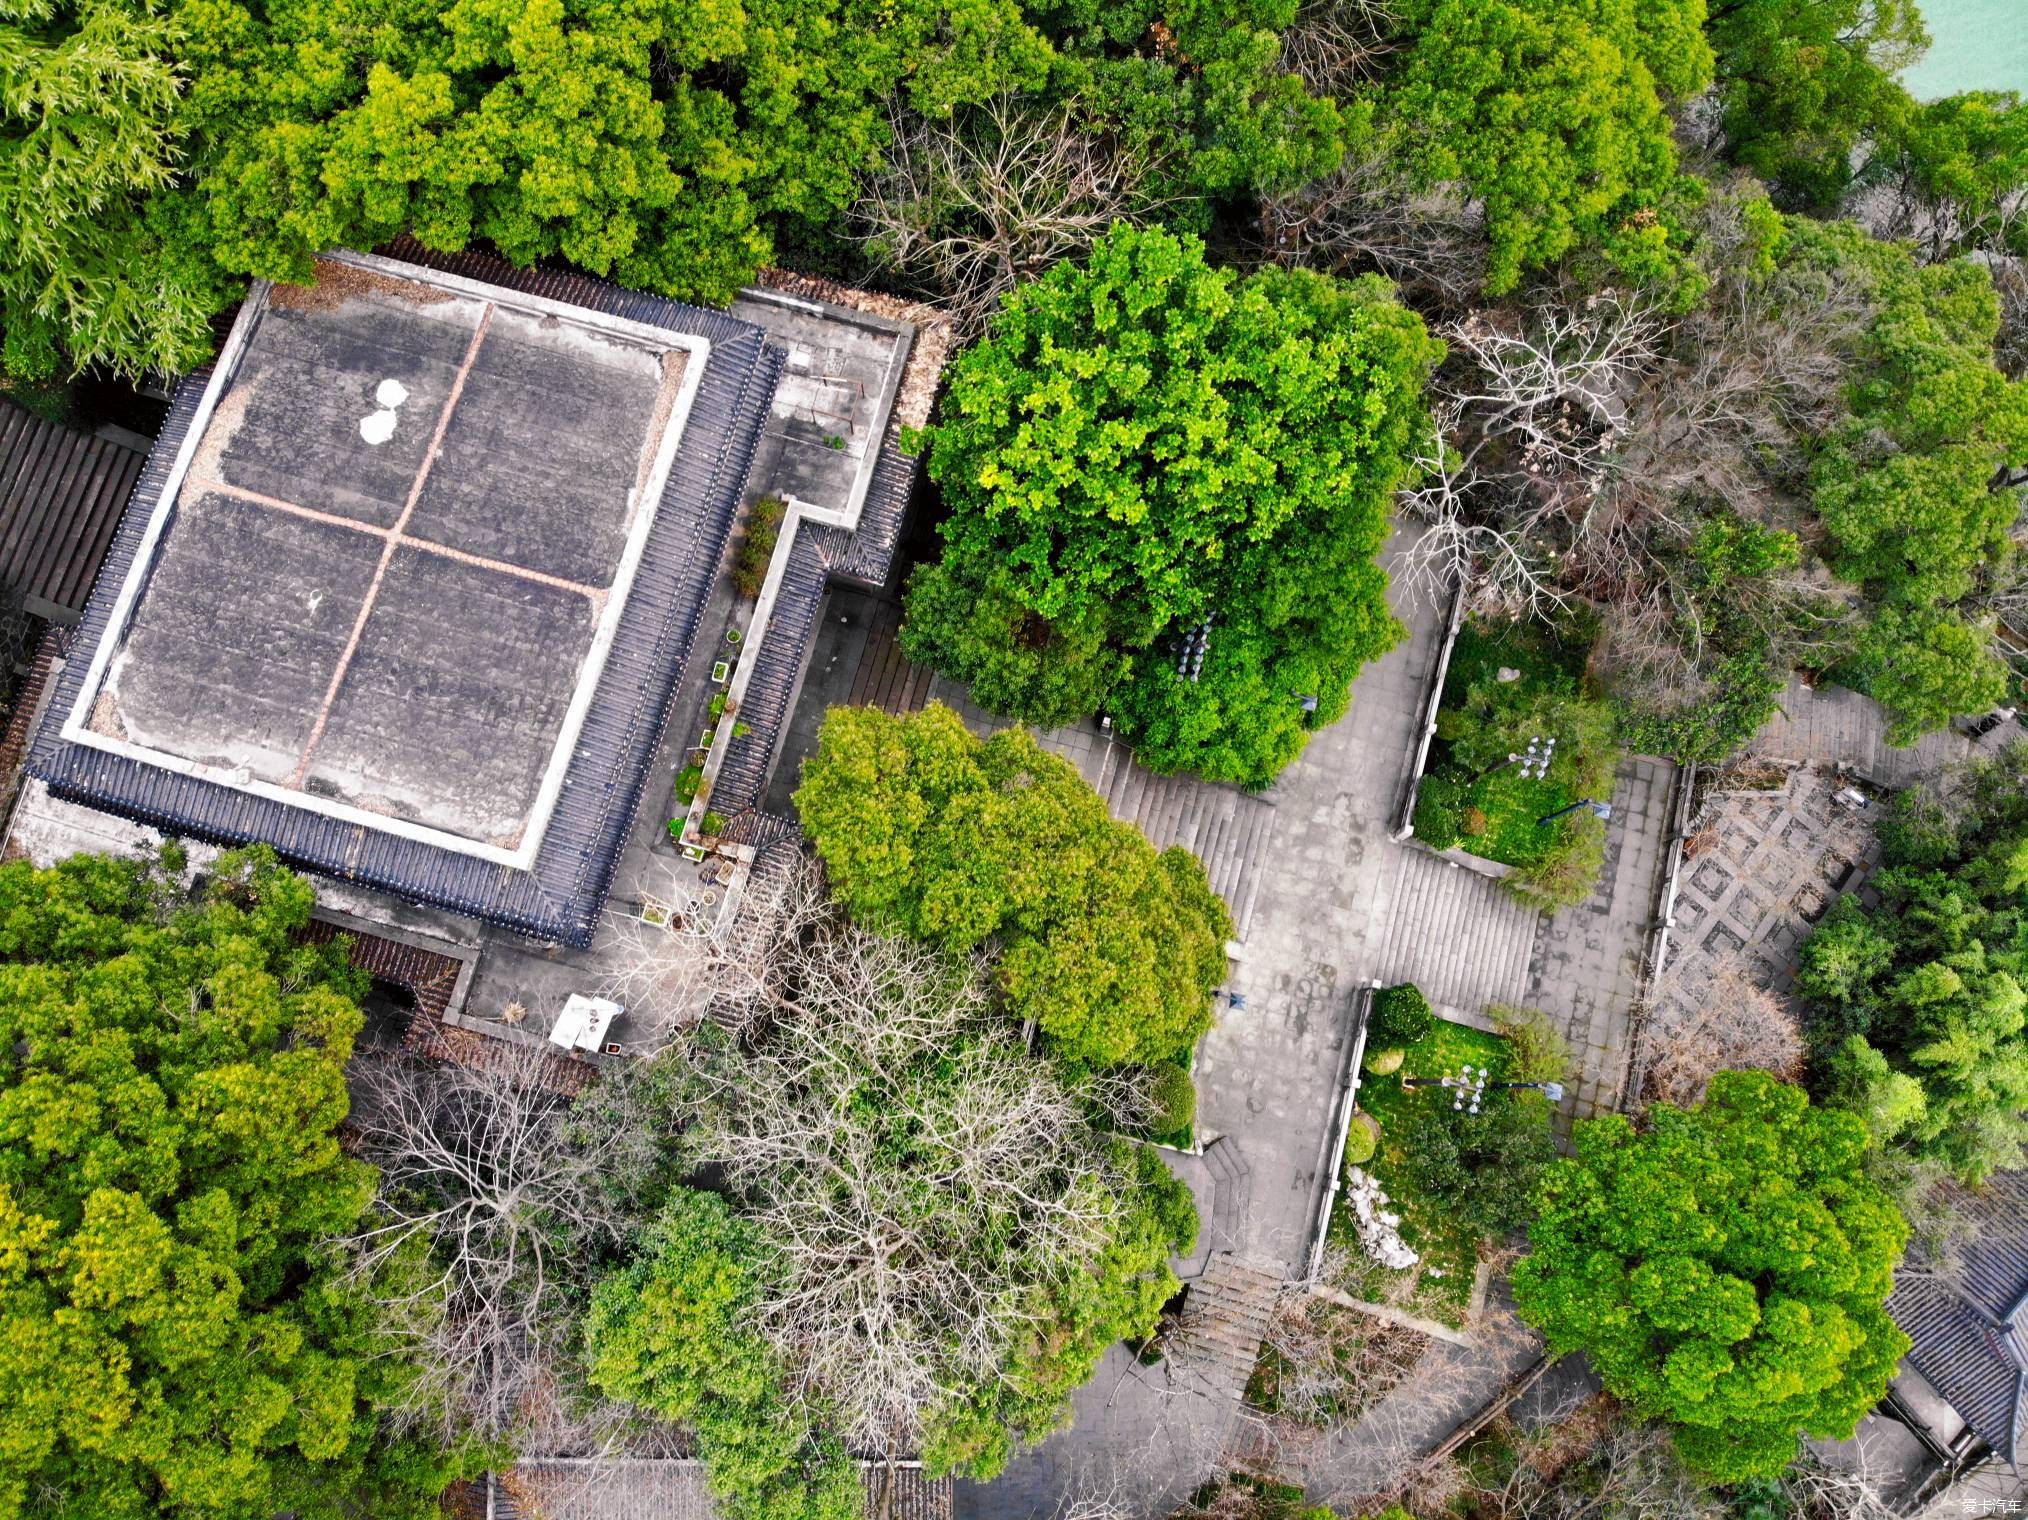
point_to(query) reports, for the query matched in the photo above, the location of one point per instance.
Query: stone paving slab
(1829, 724)
(1588, 959)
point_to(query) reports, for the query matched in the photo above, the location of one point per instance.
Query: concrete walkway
(1340, 903)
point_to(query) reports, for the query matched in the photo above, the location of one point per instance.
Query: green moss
(1361, 1140)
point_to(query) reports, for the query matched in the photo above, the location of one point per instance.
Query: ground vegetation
(1916, 1006)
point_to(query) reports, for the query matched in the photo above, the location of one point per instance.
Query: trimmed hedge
(1401, 1016)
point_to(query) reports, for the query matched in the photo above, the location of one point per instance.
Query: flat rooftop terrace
(397, 555)
(410, 576)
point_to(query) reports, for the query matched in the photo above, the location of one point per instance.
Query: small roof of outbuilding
(61, 493)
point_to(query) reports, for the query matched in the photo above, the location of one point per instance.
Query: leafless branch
(978, 203)
(487, 1188)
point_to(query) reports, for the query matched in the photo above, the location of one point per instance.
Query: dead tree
(1737, 1026)
(488, 1190)
(910, 1164)
(975, 204)
(1366, 214)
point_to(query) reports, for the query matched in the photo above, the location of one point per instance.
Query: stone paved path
(1830, 725)
(1587, 968)
(1341, 904)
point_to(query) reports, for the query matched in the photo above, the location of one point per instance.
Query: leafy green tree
(658, 143)
(1962, 170)
(91, 267)
(1912, 483)
(1476, 1171)
(671, 1332)
(1926, 667)
(1551, 113)
(1919, 1006)
(177, 1342)
(980, 631)
(1149, 442)
(1724, 1271)
(1806, 82)
(1111, 947)
(1205, 75)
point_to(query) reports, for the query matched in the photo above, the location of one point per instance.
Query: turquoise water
(1978, 45)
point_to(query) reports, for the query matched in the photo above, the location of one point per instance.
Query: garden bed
(1439, 1287)
(1474, 798)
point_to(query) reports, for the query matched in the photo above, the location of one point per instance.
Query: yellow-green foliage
(1112, 947)
(173, 1079)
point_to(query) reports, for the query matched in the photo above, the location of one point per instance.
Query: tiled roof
(560, 897)
(61, 492)
(1968, 1317)
(631, 1489)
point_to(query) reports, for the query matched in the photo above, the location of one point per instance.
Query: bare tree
(1737, 1026)
(1366, 214)
(1329, 1364)
(977, 203)
(487, 1192)
(916, 1172)
(692, 952)
(1337, 46)
(1818, 1489)
(1528, 420)
(1595, 1460)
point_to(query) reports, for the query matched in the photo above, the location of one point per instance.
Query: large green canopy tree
(1806, 82)
(1919, 1005)
(1111, 947)
(1911, 484)
(1551, 114)
(172, 1342)
(655, 141)
(1143, 443)
(1724, 1270)
(91, 259)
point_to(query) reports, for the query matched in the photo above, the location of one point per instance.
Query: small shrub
(1438, 808)
(1386, 1061)
(1537, 1050)
(711, 825)
(1565, 876)
(1174, 1094)
(687, 781)
(757, 547)
(676, 829)
(1401, 1016)
(717, 708)
(1362, 1140)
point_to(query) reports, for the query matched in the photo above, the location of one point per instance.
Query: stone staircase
(1231, 1191)
(1224, 1319)
(1229, 830)
(1456, 934)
